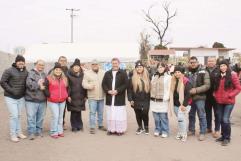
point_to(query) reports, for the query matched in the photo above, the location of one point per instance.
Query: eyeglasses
(194, 62)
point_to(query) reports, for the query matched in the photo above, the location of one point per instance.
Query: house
(202, 53)
(158, 54)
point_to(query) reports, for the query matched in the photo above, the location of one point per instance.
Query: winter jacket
(200, 80)
(13, 82)
(56, 90)
(121, 84)
(157, 85)
(156, 82)
(187, 97)
(141, 98)
(93, 78)
(76, 92)
(33, 91)
(227, 96)
(212, 74)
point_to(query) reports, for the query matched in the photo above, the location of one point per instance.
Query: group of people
(159, 89)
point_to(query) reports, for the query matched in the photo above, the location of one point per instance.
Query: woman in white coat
(160, 89)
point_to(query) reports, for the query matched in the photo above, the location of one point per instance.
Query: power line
(72, 10)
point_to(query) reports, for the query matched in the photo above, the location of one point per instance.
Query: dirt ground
(83, 146)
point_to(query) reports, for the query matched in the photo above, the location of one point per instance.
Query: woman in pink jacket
(226, 88)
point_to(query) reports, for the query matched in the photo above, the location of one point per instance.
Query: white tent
(84, 51)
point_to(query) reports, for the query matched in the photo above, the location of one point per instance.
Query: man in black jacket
(210, 100)
(13, 82)
(114, 84)
(200, 80)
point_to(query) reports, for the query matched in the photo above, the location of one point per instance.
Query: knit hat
(57, 65)
(179, 68)
(76, 62)
(139, 63)
(224, 62)
(19, 58)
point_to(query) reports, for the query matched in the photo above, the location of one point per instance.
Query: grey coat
(33, 92)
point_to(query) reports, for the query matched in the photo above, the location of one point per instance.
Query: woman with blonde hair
(56, 91)
(139, 96)
(180, 100)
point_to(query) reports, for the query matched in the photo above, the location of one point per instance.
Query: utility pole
(72, 22)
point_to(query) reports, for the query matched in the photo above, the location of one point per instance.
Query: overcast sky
(199, 22)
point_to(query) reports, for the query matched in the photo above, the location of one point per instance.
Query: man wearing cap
(92, 82)
(13, 82)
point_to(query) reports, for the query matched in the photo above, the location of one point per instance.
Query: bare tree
(145, 45)
(160, 27)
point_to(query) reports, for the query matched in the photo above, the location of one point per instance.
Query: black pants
(64, 113)
(142, 115)
(211, 105)
(76, 120)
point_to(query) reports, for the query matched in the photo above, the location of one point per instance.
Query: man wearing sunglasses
(200, 81)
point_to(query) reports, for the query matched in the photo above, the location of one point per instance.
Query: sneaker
(14, 139)
(92, 130)
(184, 138)
(109, 133)
(139, 131)
(102, 128)
(61, 135)
(216, 134)
(64, 127)
(179, 136)
(74, 129)
(156, 134)
(21, 136)
(209, 130)
(164, 135)
(39, 134)
(80, 129)
(225, 142)
(146, 131)
(190, 133)
(119, 133)
(201, 137)
(54, 136)
(31, 137)
(219, 139)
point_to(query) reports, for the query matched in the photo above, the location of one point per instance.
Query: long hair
(136, 81)
(62, 76)
(228, 80)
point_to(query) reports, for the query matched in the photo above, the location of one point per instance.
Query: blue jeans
(14, 107)
(161, 122)
(35, 116)
(57, 111)
(182, 119)
(96, 106)
(199, 107)
(224, 112)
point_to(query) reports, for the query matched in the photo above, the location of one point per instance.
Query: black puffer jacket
(141, 98)
(13, 82)
(76, 92)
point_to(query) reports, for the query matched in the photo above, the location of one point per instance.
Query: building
(202, 53)
(159, 54)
